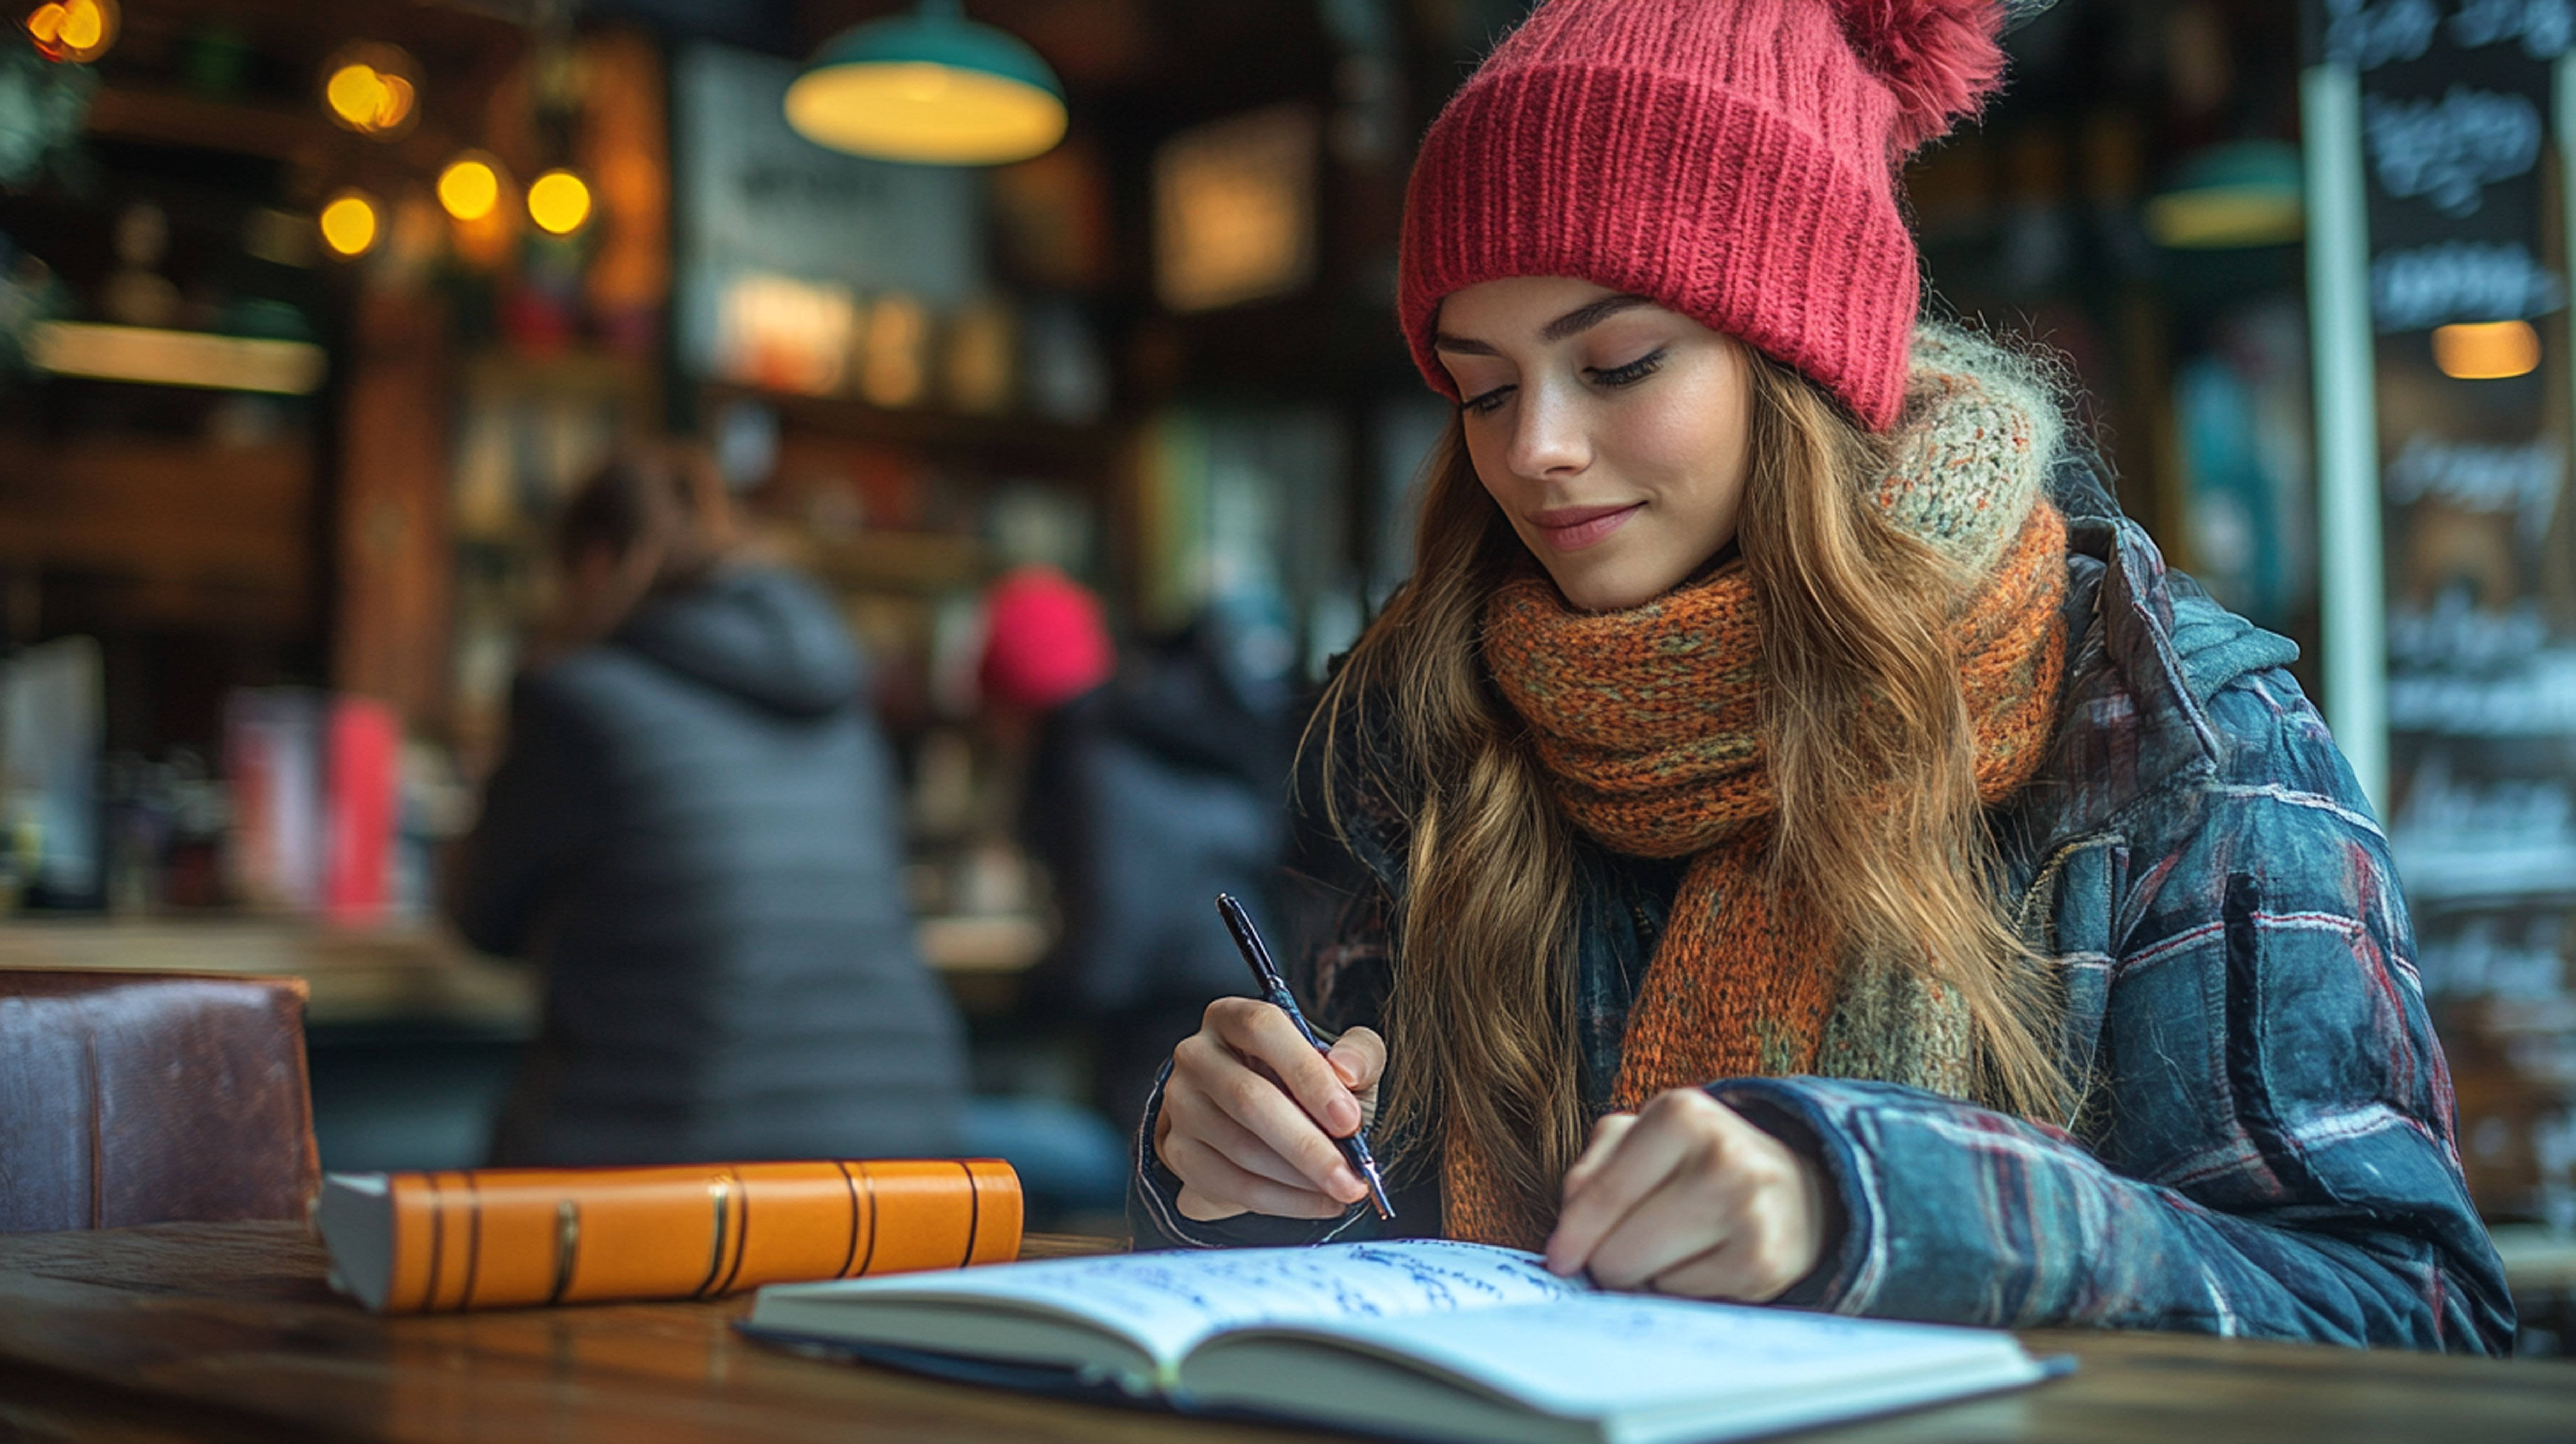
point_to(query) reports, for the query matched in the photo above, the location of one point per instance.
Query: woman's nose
(1548, 437)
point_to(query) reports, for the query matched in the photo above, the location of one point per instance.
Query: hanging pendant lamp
(933, 88)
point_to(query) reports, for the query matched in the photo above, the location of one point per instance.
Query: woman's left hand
(1686, 1197)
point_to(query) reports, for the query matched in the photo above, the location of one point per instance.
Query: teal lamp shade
(933, 88)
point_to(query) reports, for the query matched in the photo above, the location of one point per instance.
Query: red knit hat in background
(1732, 160)
(1045, 641)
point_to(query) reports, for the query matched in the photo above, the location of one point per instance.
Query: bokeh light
(470, 187)
(372, 88)
(350, 224)
(73, 30)
(558, 202)
(368, 100)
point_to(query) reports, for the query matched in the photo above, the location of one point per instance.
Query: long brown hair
(1865, 731)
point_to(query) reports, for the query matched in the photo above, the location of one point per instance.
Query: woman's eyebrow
(1582, 318)
(1443, 341)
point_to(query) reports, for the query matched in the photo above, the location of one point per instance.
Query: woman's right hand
(1251, 1111)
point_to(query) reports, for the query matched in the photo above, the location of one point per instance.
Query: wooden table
(424, 974)
(358, 978)
(225, 1332)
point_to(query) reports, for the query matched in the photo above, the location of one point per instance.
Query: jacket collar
(2149, 649)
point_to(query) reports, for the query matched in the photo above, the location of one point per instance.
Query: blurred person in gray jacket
(695, 831)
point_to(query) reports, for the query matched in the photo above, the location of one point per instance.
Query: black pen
(1274, 988)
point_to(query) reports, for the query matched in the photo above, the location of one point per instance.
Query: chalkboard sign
(2464, 196)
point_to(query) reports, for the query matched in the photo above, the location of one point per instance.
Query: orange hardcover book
(410, 1243)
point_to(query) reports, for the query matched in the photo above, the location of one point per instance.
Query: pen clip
(1247, 940)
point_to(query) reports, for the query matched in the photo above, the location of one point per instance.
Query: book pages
(1167, 1302)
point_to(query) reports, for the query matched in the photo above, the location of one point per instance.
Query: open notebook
(1426, 1339)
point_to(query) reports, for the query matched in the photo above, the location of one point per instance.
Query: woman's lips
(1572, 528)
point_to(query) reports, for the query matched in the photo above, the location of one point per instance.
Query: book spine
(363, 802)
(510, 1237)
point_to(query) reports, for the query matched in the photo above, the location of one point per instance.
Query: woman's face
(1611, 431)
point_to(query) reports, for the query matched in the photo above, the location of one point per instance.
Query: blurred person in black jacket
(1150, 790)
(695, 831)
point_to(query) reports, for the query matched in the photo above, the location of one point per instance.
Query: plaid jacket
(2265, 1141)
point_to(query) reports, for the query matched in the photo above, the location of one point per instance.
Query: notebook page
(1166, 1302)
(1614, 1354)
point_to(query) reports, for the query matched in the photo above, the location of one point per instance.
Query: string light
(75, 31)
(470, 188)
(371, 88)
(475, 191)
(558, 202)
(350, 224)
(367, 100)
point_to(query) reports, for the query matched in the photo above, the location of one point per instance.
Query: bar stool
(130, 1098)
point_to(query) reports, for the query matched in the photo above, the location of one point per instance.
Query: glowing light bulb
(355, 93)
(349, 224)
(558, 202)
(932, 88)
(73, 30)
(469, 188)
(371, 88)
(2487, 351)
(395, 108)
(922, 82)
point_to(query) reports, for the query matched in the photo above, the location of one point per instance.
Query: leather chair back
(129, 1098)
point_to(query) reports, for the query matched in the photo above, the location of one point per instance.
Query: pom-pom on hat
(1045, 641)
(1732, 160)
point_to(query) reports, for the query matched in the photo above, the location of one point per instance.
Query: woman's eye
(1485, 403)
(1630, 374)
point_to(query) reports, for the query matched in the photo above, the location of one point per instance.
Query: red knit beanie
(1045, 642)
(1732, 160)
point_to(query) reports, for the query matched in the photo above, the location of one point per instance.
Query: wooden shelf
(201, 528)
(1007, 436)
(579, 374)
(894, 561)
(174, 117)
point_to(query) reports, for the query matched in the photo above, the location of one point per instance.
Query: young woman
(1816, 852)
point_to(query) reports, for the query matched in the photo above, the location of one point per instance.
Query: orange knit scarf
(1646, 721)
